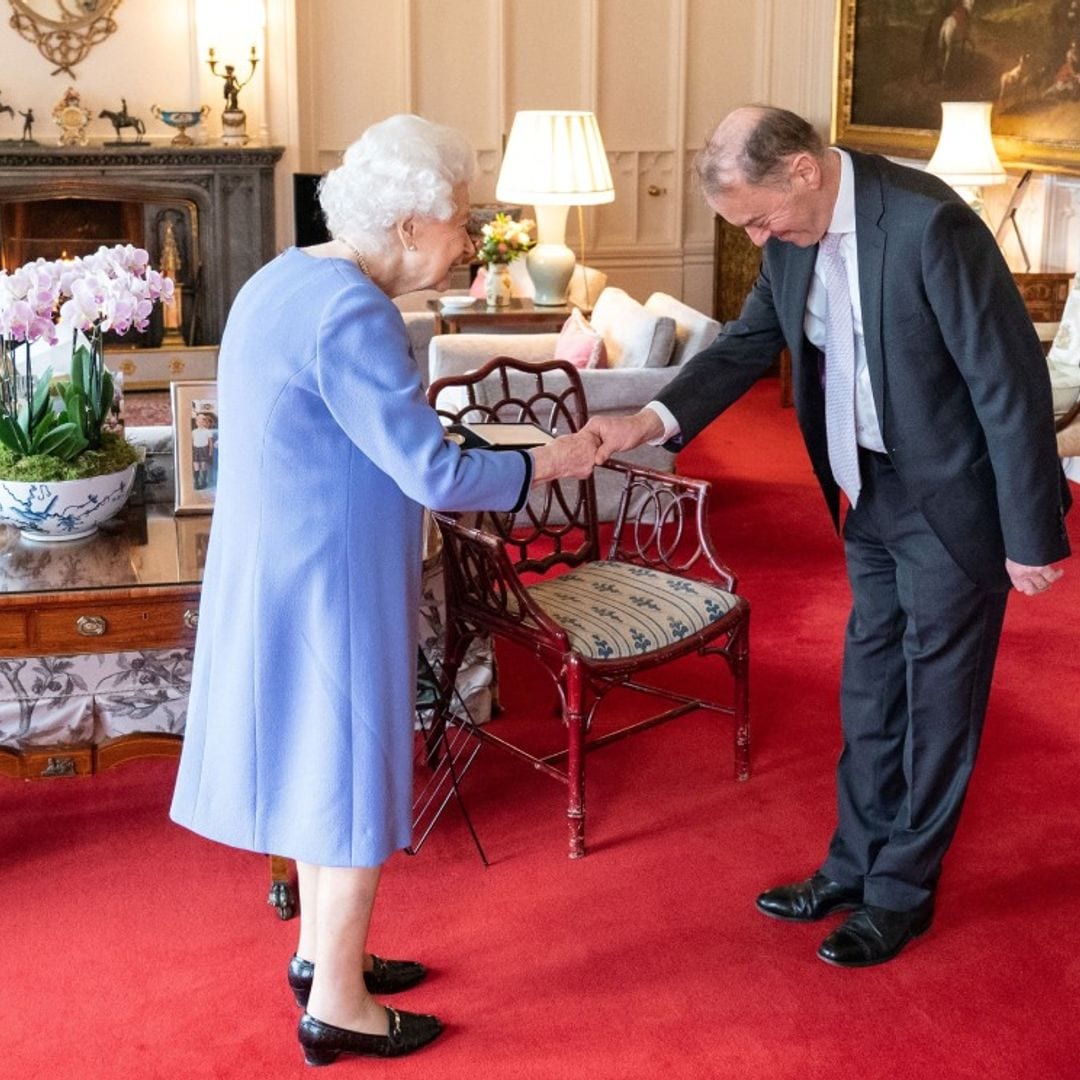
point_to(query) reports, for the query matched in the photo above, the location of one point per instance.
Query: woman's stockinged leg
(307, 882)
(336, 904)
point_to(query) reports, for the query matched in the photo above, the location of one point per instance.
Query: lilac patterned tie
(840, 370)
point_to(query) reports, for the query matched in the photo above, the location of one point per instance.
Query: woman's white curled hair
(401, 166)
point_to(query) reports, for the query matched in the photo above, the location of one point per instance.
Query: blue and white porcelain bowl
(181, 119)
(64, 509)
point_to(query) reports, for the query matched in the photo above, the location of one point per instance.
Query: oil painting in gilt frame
(195, 445)
(897, 60)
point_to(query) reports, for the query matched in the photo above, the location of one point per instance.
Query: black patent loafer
(874, 935)
(323, 1043)
(809, 900)
(386, 977)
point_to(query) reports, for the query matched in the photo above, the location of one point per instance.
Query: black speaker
(308, 220)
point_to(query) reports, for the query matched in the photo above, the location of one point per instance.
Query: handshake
(575, 456)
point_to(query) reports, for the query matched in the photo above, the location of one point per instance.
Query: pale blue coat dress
(299, 738)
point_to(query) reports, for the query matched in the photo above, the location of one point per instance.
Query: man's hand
(618, 433)
(567, 456)
(1031, 580)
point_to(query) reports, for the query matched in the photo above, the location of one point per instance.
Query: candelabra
(233, 118)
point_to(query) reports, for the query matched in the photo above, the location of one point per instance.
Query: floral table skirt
(94, 697)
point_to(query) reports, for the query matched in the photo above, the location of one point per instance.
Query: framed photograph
(898, 60)
(192, 538)
(195, 445)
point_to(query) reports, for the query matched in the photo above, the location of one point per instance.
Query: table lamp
(554, 159)
(965, 157)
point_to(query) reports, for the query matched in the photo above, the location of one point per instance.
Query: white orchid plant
(112, 290)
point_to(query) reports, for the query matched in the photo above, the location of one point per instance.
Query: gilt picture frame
(192, 540)
(195, 449)
(897, 60)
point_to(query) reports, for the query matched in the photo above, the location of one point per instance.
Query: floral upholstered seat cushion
(612, 610)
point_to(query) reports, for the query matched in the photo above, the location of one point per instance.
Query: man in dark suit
(932, 412)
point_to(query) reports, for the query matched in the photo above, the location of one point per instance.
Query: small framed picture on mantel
(195, 444)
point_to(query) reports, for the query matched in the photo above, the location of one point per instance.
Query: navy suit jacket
(959, 379)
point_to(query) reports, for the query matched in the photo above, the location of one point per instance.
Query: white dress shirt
(867, 429)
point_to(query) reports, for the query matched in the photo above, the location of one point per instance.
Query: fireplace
(216, 202)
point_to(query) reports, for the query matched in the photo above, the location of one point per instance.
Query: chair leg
(740, 669)
(575, 760)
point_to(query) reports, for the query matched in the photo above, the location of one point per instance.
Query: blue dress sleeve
(371, 386)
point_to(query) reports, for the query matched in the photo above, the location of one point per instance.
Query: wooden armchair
(595, 622)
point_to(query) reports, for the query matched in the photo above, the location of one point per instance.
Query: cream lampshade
(554, 160)
(965, 157)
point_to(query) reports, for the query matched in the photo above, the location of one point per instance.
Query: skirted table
(96, 643)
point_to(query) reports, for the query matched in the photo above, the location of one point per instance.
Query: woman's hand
(567, 456)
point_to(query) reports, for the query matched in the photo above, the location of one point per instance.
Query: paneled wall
(658, 74)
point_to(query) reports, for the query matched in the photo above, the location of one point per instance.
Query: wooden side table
(1044, 295)
(480, 317)
(125, 588)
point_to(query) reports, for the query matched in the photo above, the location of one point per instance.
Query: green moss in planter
(115, 454)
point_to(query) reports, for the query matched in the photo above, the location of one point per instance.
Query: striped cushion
(612, 610)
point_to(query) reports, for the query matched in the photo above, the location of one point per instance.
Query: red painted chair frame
(662, 523)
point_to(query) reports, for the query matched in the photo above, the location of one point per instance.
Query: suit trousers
(918, 659)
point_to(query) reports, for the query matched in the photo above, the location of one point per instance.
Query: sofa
(645, 344)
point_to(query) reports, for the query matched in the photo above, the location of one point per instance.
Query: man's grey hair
(401, 166)
(758, 157)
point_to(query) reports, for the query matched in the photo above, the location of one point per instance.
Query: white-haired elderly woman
(299, 735)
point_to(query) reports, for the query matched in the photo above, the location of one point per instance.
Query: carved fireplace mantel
(225, 196)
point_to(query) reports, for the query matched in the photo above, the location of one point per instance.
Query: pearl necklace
(360, 260)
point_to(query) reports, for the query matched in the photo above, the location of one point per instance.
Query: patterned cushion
(612, 610)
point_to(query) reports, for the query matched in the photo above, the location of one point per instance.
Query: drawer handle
(91, 625)
(191, 619)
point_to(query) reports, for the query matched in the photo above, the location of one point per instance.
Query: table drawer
(89, 627)
(13, 631)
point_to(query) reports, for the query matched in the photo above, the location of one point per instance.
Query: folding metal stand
(447, 750)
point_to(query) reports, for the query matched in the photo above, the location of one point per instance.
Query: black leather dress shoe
(808, 900)
(386, 977)
(324, 1043)
(873, 935)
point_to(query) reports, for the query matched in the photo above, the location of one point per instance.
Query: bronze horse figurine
(121, 120)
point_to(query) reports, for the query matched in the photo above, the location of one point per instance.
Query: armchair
(595, 622)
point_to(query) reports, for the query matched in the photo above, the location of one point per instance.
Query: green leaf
(80, 368)
(106, 395)
(76, 410)
(12, 436)
(41, 399)
(48, 422)
(64, 442)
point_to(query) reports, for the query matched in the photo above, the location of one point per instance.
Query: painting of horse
(900, 59)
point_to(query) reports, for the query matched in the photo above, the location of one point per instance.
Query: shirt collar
(843, 216)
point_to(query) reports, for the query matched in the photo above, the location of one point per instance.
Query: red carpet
(134, 950)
